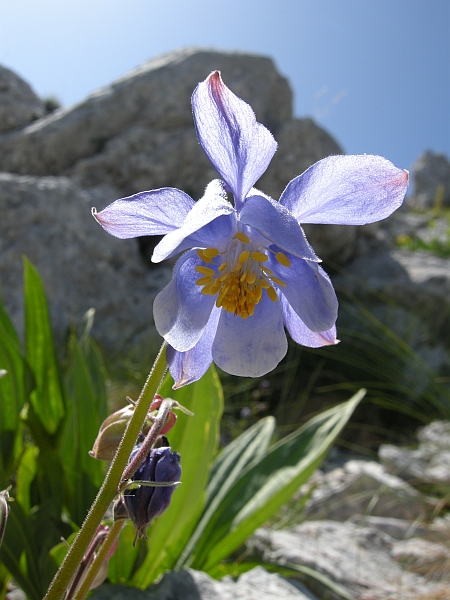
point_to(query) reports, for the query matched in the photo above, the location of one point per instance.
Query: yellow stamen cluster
(240, 277)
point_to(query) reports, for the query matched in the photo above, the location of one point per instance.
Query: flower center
(239, 275)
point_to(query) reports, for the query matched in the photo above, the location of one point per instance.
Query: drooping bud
(4, 512)
(113, 428)
(148, 502)
(110, 434)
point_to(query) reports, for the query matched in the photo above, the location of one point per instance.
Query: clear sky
(374, 73)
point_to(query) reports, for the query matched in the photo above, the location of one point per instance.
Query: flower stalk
(112, 482)
(100, 557)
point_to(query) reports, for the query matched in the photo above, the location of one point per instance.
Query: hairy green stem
(98, 561)
(112, 482)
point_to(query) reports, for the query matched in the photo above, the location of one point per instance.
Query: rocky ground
(372, 527)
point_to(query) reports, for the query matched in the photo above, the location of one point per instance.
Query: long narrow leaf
(266, 485)
(249, 447)
(196, 439)
(86, 410)
(47, 399)
(18, 538)
(12, 394)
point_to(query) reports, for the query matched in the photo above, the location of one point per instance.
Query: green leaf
(196, 439)
(86, 409)
(46, 399)
(13, 393)
(249, 447)
(266, 485)
(26, 473)
(19, 538)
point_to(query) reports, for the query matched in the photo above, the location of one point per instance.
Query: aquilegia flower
(249, 271)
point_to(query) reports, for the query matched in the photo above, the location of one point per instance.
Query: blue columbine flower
(249, 271)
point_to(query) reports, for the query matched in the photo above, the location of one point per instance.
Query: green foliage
(48, 423)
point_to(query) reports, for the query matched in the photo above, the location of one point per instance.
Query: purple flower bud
(147, 502)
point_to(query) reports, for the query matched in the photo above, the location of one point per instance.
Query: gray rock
(48, 220)
(155, 96)
(417, 281)
(423, 557)
(143, 159)
(256, 584)
(431, 177)
(363, 488)
(19, 105)
(427, 464)
(436, 434)
(401, 529)
(357, 558)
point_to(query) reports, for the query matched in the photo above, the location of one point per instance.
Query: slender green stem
(98, 561)
(111, 484)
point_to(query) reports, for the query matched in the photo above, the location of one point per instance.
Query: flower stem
(98, 561)
(111, 483)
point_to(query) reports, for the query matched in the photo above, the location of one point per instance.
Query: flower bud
(110, 434)
(113, 428)
(148, 502)
(4, 512)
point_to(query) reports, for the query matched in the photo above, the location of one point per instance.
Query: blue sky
(374, 73)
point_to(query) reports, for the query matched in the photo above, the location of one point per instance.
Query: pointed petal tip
(178, 384)
(94, 213)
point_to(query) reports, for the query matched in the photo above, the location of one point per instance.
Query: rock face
(418, 280)
(361, 487)
(135, 109)
(431, 178)
(19, 105)
(427, 464)
(48, 220)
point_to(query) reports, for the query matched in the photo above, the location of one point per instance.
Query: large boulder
(153, 98)
(48, 220)
(19, 105)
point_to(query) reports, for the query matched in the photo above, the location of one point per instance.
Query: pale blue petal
(238, 146)
(180, 310)
(309, 291)
(210, 223)
(276, 223)
(346, 190)
(301, 334)
(148, 213)
(250, 347)
(187, 367)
